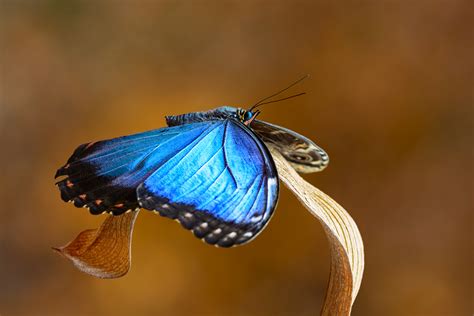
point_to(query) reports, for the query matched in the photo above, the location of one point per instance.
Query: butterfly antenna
(278, 100)
(279, 92)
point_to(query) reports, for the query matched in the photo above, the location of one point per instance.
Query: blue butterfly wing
(223, 186)
(103, 176)
(215, 177)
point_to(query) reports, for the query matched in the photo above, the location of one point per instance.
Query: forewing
(223, 187)
(302, 153)
(103, 176)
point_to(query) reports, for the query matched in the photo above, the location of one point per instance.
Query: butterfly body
(211, 171)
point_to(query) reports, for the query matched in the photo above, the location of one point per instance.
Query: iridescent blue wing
(103, 176)
(216, 177)
(223, 185)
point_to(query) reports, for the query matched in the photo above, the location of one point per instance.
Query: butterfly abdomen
(223, 112)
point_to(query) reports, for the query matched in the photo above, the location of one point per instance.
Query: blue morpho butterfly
(211, 171)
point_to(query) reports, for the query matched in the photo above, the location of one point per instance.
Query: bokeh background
(390, 99)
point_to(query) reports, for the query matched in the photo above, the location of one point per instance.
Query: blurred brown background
(390, 99)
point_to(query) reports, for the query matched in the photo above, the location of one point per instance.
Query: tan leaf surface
(345, 241)
(104, 252)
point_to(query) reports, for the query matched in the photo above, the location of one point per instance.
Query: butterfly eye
(300, 157)
(248, 115)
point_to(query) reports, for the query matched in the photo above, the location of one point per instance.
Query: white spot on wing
(272, 181)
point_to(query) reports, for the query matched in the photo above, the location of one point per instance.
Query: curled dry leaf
(105, 252)
(347, 249)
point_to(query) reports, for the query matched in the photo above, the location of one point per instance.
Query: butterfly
(211, 171)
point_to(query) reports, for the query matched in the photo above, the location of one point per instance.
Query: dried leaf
(347, 249)
(104, 252)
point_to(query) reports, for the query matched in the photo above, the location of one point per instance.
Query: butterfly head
(246, 116)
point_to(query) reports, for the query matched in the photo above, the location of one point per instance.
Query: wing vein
(225, 153)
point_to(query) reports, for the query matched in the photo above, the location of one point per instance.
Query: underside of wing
(223, 186)
(302, 153)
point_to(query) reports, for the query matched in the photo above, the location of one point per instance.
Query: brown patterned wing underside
(302, 153)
